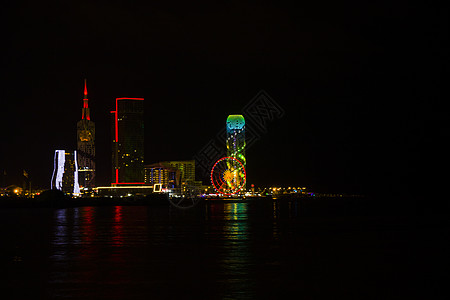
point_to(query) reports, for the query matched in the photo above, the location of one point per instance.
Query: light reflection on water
(117, 234)
(217, 250)
(89, 239)
(107, 252)
(236, 262)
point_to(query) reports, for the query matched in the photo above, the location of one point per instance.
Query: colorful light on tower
(228, 174)
(236, 142)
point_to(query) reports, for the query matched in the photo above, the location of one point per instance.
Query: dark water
(218, 251)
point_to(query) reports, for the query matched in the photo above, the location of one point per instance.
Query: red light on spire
(85, 110)
(85, 88)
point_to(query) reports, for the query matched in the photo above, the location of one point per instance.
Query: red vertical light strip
(115, 138)
(85, 111)
(116, 125)
(117, 129)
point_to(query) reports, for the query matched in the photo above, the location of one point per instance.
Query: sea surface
(219, 250)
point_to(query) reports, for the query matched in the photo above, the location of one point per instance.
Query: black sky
(361, 85)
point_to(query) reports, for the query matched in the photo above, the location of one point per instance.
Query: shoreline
(309, 206)
(153, 199)
(315, 207)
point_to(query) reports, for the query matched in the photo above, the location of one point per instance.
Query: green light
(236, 143)
(235, 122)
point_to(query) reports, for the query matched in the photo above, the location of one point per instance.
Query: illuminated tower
(86, 145)
(128, 141)
(65, 172)
(236, 138)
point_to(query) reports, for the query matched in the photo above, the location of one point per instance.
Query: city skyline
(239, 150)
(360, 87)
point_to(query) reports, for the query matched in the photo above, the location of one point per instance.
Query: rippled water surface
(213, 251)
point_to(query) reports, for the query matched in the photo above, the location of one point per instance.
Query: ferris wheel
(228, 175)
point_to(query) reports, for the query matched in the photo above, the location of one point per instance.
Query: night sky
(361, 86)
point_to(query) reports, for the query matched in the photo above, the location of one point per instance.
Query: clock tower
(86, 146)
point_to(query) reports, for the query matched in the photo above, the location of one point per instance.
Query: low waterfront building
(177, 175)
(124, 191)
(163, 174)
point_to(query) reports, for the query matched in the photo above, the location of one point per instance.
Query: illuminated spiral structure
(228, 175)
(236, 141)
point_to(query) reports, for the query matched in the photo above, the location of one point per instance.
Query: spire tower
(86, 145)
(85, 111)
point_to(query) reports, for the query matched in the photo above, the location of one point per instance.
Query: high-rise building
(162, 173)
(186, 169)
(236, 138)
(65, 172)
(86, 146)
(177, 175)
(128, 141)
(171, 173)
